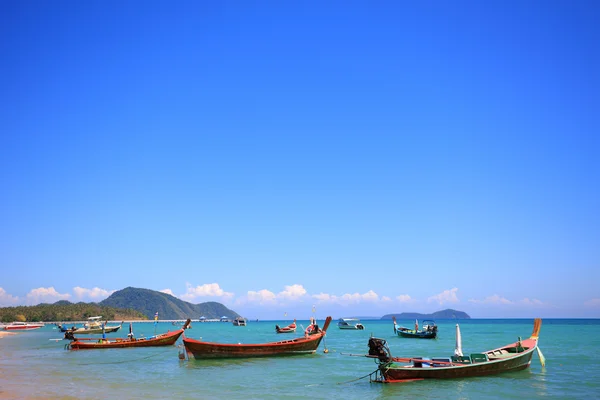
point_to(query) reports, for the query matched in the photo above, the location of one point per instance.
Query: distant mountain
(149, 302)
(444, 314)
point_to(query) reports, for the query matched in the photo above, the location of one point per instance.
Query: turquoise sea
(32, 366)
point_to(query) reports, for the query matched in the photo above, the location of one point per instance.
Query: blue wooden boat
(428, 330)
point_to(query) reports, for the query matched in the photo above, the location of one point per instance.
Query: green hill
(149, 302)
(64, 310)
(444, 314)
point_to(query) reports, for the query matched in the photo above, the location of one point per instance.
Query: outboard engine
(378, 348)
(69, 335)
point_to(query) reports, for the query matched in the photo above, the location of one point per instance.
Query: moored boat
(164, 339)
(291, 328)
(511, 357)
(22, 326)
(350, 323)
(65, 327)
(428, 330)
(95, 326)
(302, 345)
(239, 321)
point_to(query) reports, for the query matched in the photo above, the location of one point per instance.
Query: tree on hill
(66, 312)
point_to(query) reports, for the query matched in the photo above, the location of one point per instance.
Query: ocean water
(34, 367)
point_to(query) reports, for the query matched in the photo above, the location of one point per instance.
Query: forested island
(130, 304)
(444, 314)
(66, 311)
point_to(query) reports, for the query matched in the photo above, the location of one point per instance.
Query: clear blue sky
(363, 158)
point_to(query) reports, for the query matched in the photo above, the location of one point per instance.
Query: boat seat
(497, 356)
(443, 359)
(461, 359)
(420, 362)
(479, 357)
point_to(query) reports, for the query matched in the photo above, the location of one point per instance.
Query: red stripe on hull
(167, 340)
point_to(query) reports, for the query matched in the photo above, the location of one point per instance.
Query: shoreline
(4, 333)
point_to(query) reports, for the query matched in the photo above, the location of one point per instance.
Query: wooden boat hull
(512, 357)
(166, 339)
(429, 333)
(285, 330)
(291, 328)
(417, 335)
(302, 345)
(394, 373)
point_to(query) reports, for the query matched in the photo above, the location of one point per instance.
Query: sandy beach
(4, 333)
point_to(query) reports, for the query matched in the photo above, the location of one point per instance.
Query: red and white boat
(22, 326)
(291, 328)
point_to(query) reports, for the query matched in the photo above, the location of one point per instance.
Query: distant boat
(22, 326)
(95, 326)
(512, 357)
(239, 321)
(65, 328)
(165, 339)
(350, 323)
(428, 330)
(291, 328)
(303, 345)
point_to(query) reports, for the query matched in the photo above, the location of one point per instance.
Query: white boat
(350, 323)
(94, 326)
(239, 321)
(22, 326)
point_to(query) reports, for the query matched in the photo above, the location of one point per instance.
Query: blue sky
(363, 158)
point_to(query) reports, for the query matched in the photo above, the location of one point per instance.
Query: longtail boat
(428, 330)
(512, 357)
(164, 339)
(302, 345)
(291, 328)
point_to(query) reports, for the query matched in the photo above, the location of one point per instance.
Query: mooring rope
(346, 382)
(358, 379)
